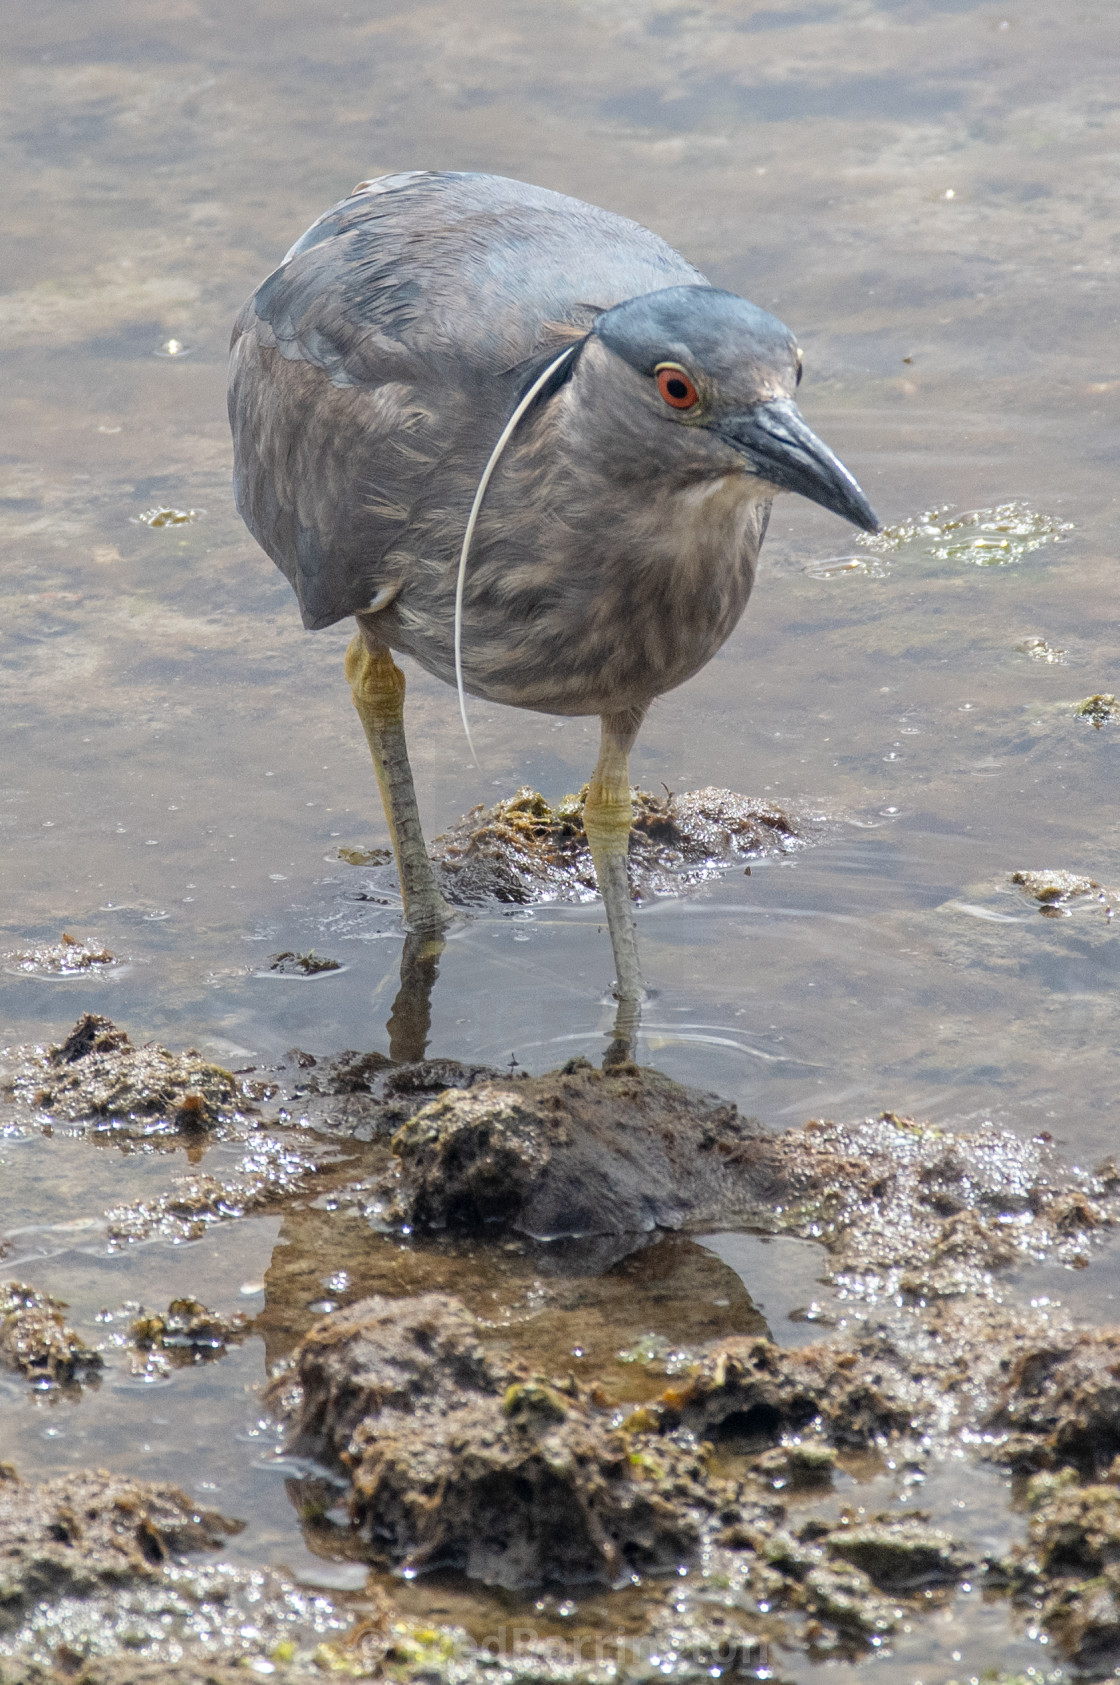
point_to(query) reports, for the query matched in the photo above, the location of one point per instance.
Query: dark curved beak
(779, 446)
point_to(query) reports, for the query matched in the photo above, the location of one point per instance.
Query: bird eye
(800, 370)
(675, 386)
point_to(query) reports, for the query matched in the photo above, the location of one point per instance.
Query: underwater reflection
(409, 1023)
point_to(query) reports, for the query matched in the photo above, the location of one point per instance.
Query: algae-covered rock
(101, 1584)
(36, 1339)
(268, 1175)
(752, 1391)
(1069, 1567)
(907, 1208)
(311, 964)
(902, 1207)
(68, 957)
(187, 1332)
(97, 1076)
(1098, 708)
(367, 1097)
(457, 1459)
(522, 850)
(799, 1466)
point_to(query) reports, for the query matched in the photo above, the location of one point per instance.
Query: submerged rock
(36, 1339)
(96, 1075)
(522, 850)
(457, 1459)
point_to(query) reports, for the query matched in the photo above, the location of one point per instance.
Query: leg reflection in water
(410, 1021)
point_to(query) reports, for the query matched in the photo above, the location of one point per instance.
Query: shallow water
(925, 191)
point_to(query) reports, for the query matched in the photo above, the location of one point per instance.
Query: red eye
(675, 387)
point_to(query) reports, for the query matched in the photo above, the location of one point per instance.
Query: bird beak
(780, 447)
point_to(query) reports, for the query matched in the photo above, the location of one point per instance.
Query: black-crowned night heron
(523, 441)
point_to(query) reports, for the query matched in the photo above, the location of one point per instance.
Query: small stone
(36, 1339)
(1054, 887)
(188, 1332)
(1097, 708)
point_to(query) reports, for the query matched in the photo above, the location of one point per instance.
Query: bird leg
(377, 686)
(607, 815)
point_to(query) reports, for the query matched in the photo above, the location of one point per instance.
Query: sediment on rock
(1068, 1571)
(271, 1173)
(522, 850)
(97, 1076)
(753, 1391)
(454, 1454)
(451, 1451)
(365, 1097)
(1060, 1403)
(100, 1584)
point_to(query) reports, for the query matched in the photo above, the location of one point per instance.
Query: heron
(523, 441)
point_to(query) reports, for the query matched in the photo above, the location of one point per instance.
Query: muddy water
(926, 193)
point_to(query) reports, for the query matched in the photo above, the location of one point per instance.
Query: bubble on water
(173, 348)
(842, 567)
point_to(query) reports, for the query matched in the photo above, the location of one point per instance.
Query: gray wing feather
(371, 372)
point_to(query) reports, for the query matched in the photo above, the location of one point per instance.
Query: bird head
(703, 379)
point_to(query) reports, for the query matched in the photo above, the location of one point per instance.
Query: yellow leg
(607, 816)
(377, 686)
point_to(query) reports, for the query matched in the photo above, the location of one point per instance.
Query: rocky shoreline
(704, 1478)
